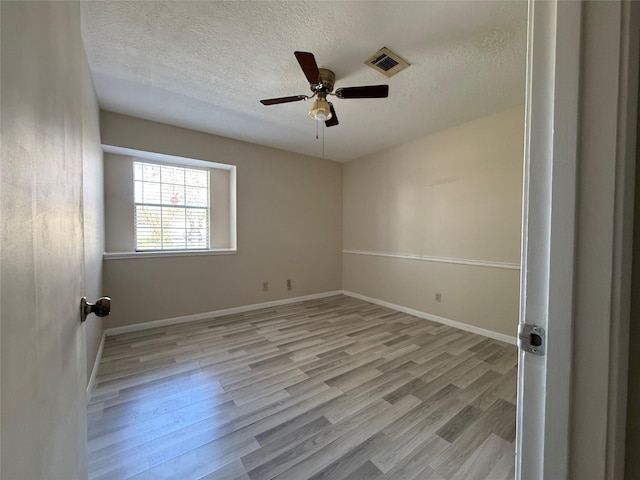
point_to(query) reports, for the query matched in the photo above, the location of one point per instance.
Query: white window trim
(164, 159)
(168, 253)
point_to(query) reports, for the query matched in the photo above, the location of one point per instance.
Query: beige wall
(289, 225)
(453, 195)
(46, 97)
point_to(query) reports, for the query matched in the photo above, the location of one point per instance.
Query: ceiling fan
(321, 81)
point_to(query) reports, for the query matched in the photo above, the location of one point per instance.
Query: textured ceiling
(206, 65)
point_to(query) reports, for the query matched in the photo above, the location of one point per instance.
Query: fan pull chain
(318, 136)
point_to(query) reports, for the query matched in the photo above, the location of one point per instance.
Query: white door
(43, 383)
(578, 198)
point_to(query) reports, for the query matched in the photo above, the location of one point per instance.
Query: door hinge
(532, 338)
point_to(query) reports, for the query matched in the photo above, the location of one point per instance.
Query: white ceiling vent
(387, 62)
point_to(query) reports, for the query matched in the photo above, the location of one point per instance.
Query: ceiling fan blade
(369, 91)
(275, 101)
(309, 66)
(334, 119)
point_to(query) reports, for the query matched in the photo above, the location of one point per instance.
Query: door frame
(581, 110)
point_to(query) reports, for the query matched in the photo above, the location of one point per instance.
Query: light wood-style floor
(335, 388)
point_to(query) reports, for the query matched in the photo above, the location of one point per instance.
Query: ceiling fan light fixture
(321, 111)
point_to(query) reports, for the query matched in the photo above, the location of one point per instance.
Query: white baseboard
(435, 318)
(217, 313)
(247, 308)
(96, 365)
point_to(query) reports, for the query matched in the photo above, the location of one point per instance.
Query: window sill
(159, 254)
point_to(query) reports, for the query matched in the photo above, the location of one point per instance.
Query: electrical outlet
(289, 287)
(438, 297)
(265, 286)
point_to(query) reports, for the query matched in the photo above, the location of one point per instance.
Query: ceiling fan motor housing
(327, 81)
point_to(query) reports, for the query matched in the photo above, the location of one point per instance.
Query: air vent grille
(384, 62)
(387, 62)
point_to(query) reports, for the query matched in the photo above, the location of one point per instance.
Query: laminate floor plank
(414, 437)
(464, 447)
(156, 427)
(231, 471)
(416, 464)
(284, 443)
(351, 431)
(487, 460)
(196, 462)
(327, 389)
(137, 411)
(284, 429)
(368, 471)
(339, 448)
(354, 459)
(151, 392)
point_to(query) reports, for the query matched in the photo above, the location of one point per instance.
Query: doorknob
(101, 308)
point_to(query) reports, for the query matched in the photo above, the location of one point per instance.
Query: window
(159, 205)
(171, 207)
